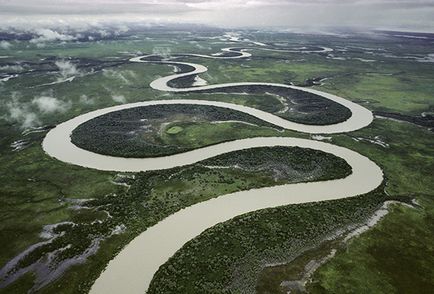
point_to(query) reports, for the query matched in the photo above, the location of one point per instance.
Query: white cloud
(26, 118)
(5, 45)
(66, 68)
(162, 51)
(392, 14)
(225, 4)
(119, 75)
(20, 113)
(86, 100)
(26, 113)
(104, 33)
(119, 98)
(9, 68)
(47, 35)
(122, 76)
(46, 104)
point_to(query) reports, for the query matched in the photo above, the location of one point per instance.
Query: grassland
(394, 257)
(144, 131)
(408, 177)
(119, 216)
(37, 190)
(403, 237)
(297, 106)
(228, 257)
(174, 130)
(370, 262)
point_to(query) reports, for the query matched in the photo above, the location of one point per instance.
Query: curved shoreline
(361, 117)
(60, 136)
(242, 53)
(132, 270)
(147, 252)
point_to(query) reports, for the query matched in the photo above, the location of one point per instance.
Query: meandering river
(132, 270)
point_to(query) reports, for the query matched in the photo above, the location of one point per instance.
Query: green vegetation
(228, 257)
(283, 163)
(372, 258)
(393, 256)
(152, 196)
(296, 105)
(140, 131)
(396, 256)
(284, 277)
(196, 135)
(174, 130)
(37, 191)
(408, 160)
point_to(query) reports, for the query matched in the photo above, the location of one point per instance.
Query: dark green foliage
(396, 256)
(35, 187)
(303, 107)
(228, 257)
(136, 132)
(158, 194)
(284, 162)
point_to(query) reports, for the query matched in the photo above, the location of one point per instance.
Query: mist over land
(306, 15)
(272, 145)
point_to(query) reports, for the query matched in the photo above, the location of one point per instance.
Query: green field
(174, 130)
(109, 209)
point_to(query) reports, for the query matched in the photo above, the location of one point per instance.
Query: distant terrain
(61, 223)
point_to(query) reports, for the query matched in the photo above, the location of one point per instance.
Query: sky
(412, 15)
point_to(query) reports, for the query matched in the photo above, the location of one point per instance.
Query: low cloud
(28, 114)
(116, 75)
(391, 14)
(67, 68)
(227, 4)
(116, 97)
(119, 98)
(47, 35)
(20, 113)
(11, 68)
(84, 99)
(5, 45)
(122, 76)
(47, 104)
(162, 51)
(65, 20)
